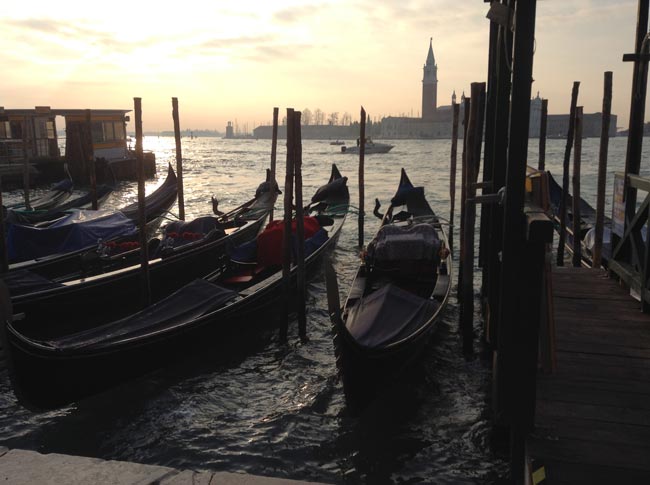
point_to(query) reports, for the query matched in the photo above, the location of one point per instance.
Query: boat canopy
(388, 315)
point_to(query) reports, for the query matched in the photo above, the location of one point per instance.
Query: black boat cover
(23, 281)
(177, 310)
(398, 243)
(388, 315)
(181, 232)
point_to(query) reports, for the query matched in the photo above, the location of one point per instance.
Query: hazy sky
(235, 60)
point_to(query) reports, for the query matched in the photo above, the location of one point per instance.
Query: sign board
(618, 206)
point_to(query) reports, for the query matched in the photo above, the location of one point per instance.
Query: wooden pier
(592, 422)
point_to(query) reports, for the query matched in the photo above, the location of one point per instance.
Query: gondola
(73, 299)
(51, 362)
(587, 224)
(121, 221)
(396, 299)
(38, 216)
(52, 198)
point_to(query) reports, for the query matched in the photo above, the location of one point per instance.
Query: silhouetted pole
(90, 160)
(463, 198)
(362, 154)
(142, 216)
(4, 260)
(541, 165)
(602, 170)
(472, 163)
(301, 276)
(452, 174)
(565, 173)
(288, 210)
(26, 163)
(577, 159)
(179, 160)
(274, 149)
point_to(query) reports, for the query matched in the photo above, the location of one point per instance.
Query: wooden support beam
(362, 193)
(142, 215)
(473, 145)
(577, 217)
(602, 170)
(274, 149)
(4, 260)
(565, 173)
(301, 293)
(179, 159)
(463, 199)
(90, 162)
(541, 163)
(288, 212)
(452, 173)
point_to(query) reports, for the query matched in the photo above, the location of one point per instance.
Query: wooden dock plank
(593, 414)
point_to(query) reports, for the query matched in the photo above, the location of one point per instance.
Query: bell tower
(430, 86)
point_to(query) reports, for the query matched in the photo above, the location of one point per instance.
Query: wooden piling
(301, 276)
(274, 148)
(26, 163)
(576, 219)
(541, 163)
(362, 154)
(565, 173)
(288, 212)
(452, 174)
(602, 170)
(473, 144)
(499, 146)
(142, 216)
(90, 162)
(179, 159)
(463, 198)
(4, 259)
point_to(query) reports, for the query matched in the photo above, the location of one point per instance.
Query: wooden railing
(630, 260)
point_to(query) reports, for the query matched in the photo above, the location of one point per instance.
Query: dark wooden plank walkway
(593, 413)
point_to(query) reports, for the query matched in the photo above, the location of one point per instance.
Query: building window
(5, 129)
(118, 127)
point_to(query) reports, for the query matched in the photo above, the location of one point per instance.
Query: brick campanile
(430, 86)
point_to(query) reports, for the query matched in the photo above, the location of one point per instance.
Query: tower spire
(430, 85)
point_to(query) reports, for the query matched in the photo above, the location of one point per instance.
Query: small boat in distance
(371, 147)
(337, 142)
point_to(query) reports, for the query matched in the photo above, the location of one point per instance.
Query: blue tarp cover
(80, 229)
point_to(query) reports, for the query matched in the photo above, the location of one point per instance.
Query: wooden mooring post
(473, 145)
(602, 170)
(362, 192)
(541, 161)
(463, 198)
(142, 216)
(497, 127)
(301, 276)
(565, 173)
(516, 357)
(26, 166)
(452, 173)
(274, 150)
(4, 259)
(90, 162)
(576, 217)
(288, 213)
(179, 159)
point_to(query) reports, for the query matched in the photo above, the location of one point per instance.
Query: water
(278, 410)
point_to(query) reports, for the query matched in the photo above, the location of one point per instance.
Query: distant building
(557, 126)
(230, 130)
(436, 122)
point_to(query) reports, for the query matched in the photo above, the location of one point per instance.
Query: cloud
(298, 13)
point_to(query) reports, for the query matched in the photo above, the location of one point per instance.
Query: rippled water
(257, 406)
